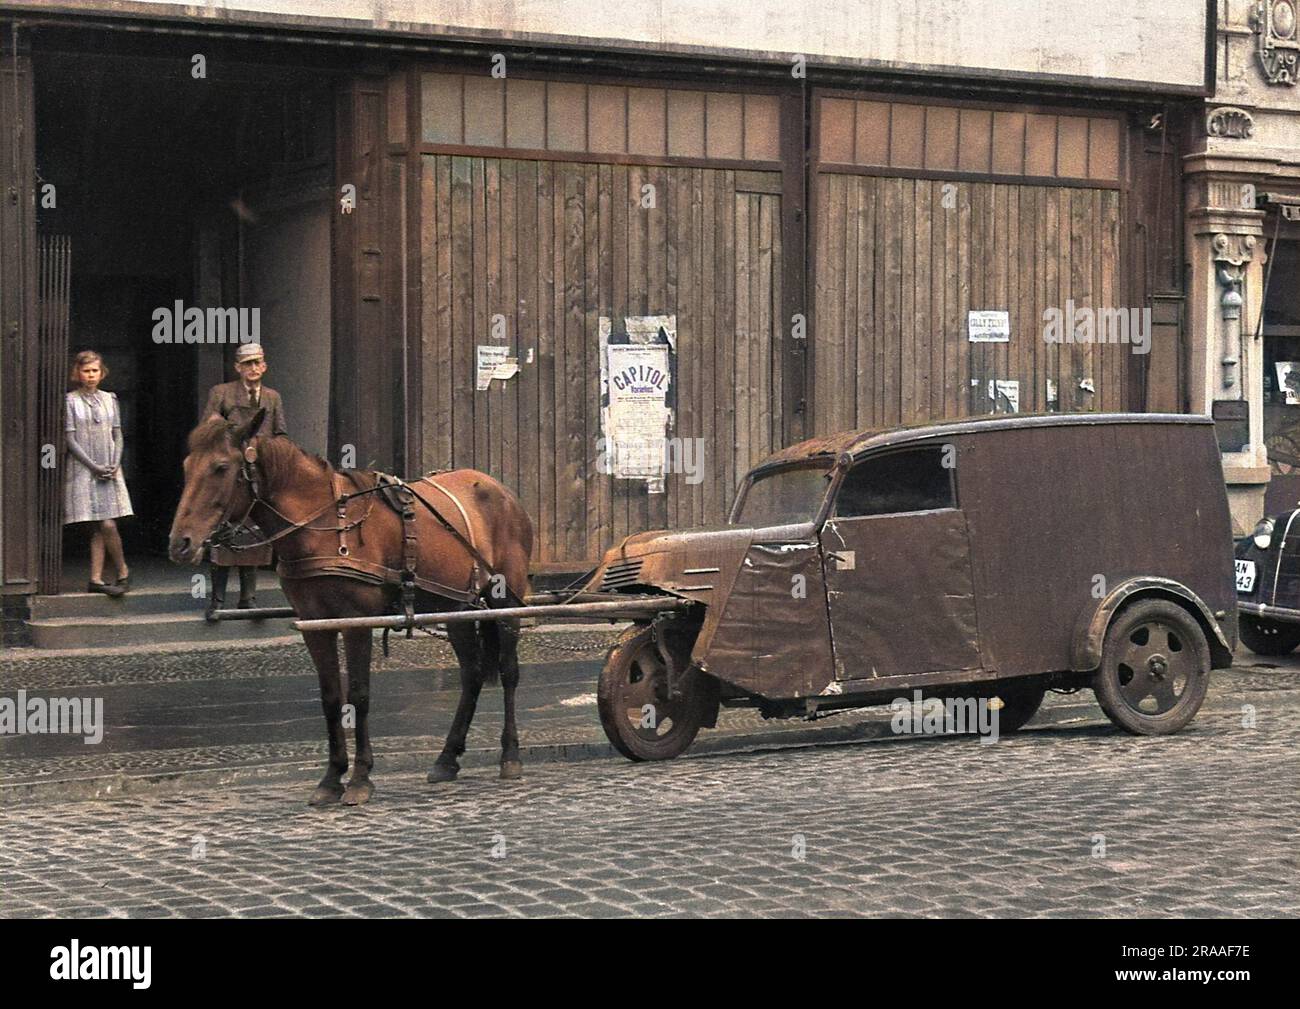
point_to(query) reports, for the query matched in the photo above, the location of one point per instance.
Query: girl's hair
(83, 358)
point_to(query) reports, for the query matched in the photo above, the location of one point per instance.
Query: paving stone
(1200, 824)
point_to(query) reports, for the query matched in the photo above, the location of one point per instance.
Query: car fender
(1090, 631)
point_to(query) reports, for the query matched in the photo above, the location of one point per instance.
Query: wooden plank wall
(550, 246)
(365, 354)
(896, 272)
(19, 350)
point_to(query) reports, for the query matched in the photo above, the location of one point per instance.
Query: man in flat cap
(238, 402)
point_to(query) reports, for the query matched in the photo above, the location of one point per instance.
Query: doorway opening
(173, 192)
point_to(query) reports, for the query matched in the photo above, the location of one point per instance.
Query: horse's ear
(246, 431)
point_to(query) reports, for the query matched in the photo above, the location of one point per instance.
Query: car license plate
(1245, 576)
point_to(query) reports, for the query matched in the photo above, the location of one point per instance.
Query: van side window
(912, 480)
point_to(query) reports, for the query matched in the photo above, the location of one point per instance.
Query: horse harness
(396, 494)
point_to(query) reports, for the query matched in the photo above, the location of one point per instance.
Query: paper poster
(988, 327)
(1005, 396)
(652, 329)
(638, 409)
(494, 362)
(1288, 380)
(636, 380)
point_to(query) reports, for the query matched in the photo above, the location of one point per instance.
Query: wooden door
(20, 450)
(532, 253)
(927, 211)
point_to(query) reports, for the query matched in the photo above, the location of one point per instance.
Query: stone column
(1225, 251)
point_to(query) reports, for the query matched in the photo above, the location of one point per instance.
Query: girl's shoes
(124, 583)
(113, 590)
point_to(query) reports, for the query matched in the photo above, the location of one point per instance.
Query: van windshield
(785, 496)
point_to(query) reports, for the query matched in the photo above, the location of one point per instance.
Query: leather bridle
(225, 530)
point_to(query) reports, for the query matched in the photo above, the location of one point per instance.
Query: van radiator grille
(621, 575)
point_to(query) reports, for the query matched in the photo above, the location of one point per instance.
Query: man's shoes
(217, 597)
(107, 590)
(247, 588)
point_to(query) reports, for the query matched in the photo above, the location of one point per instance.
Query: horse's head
(217, 490)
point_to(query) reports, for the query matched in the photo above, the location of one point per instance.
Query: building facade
(1243, 239)
(842, 216)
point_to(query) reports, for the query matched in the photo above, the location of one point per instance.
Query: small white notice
(1288, 380)
(988, 327)
(494, 362)
(1005, 394)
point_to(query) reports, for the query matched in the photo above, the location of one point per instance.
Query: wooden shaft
(618, 608)
(256, 613)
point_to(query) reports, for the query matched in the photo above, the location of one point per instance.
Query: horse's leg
(507, 654)
(323, 647)
(357, 646)
(465, 640)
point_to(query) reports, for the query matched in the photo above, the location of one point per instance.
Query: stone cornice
(1229, 164)
(1216, 220)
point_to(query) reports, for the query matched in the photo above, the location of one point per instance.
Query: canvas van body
(864, 565)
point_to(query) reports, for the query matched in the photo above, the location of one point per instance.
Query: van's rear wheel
(1155, 668)
(1268, 637)
(638, 716)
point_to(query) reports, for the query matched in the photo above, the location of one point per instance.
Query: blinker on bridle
(225, 530)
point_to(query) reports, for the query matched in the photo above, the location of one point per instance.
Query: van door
(896, 552)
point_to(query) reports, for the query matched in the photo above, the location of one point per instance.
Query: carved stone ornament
(1236, 250)
(1229, 122)
(1275, 24)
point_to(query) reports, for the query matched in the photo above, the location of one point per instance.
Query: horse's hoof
(511, 769)
(325, 795)
(441, 773)
(358, 793)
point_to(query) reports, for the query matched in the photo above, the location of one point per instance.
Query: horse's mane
(276, 453)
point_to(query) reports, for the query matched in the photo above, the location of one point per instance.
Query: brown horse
(342, 547)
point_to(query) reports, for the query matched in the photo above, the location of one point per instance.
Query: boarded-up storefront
(926, 212)
(547, 205)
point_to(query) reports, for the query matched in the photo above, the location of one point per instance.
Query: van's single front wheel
(1155, 668)
(637, 714)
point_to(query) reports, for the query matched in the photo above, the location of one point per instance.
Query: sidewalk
(196, 719)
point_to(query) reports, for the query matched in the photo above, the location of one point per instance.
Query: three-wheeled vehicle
(996, 557)
(1267, 567)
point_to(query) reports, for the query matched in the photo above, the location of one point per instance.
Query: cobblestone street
(1070, 818)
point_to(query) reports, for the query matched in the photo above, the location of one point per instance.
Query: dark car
(997, 557)
(1267, 566)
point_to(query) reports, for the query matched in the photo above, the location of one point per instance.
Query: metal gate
(54, 279)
